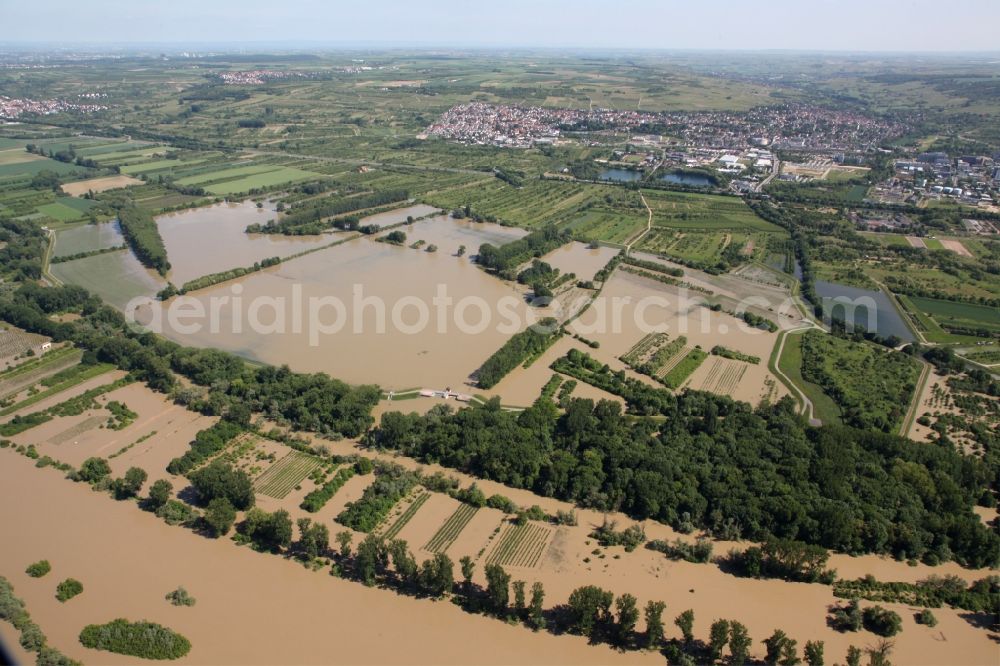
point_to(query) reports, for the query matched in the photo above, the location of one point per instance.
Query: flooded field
(390, 332)
(128, 559)
(580, 259)
(634, 306)
(212, 239)
(87, 238)
(117, 277)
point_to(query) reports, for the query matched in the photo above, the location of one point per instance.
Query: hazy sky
(891, 25)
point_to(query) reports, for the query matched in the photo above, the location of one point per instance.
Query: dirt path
(649, 225)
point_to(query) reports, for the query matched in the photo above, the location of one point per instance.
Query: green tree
(685, 622)
(403, 562)
(219, 479)
(268, 531)
(654, 624)
(314, 539)
(781, 650)
(344, 539)
(878, 654)
(371, 559)
(159, 493)
(590, 609)
(739, 644)
(536, 611)
(628, 617)
(94, 469)
(468, 569)
(497, 588)
(853, 656)
(220, 516)
(437, 575)
(718, 638)
(129, 485)
(520, 605)
(814, 653)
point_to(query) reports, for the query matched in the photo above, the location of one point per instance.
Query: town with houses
(798, 144)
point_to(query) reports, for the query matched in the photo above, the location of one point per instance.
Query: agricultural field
(18, 377)
(405, 516)
(451, 529)
(724, 376)
(15, 343)
(686, 211)
(286, 475)
(520, 545)
(955, 317)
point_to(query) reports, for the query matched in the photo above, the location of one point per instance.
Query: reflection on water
(887, 320)
(87, 238)
(208, 240)
(117, 277)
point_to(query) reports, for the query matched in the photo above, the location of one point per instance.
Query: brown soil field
(251, 608)
(956, 247)
(81, 187)
(915, 241)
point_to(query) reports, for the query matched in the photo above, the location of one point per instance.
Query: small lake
(620, 175)
(871, 309)
(689, 179)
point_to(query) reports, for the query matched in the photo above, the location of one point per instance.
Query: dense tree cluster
(220, 480)
(506, 258)
(722, 466)
(22, 245)
(146, 640)
(518, 348)
(311, 218)
(313, 402)
(206, 443)
(143, 236)
(391, 484)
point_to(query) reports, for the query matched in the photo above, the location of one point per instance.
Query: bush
(146, 640)
(631, 537)
(176, 512)
(700, 551)
(38, 569)
(180, 597)
(68, 589)
(926, 618)
(882, 621)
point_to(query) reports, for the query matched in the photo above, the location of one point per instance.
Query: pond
(689, 179)
(871, 309)
(620, 175)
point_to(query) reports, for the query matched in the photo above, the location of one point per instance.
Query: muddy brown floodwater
(251, 608)
(395, 284)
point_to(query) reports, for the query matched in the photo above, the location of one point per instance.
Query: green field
(283, 476)
(280, 176)
(954, 316)
(790, 363)
(872, 387)
(66, 209)
(520, 545)
(688, 211)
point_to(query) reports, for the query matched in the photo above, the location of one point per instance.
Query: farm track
(280, 478)
(452, 528)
